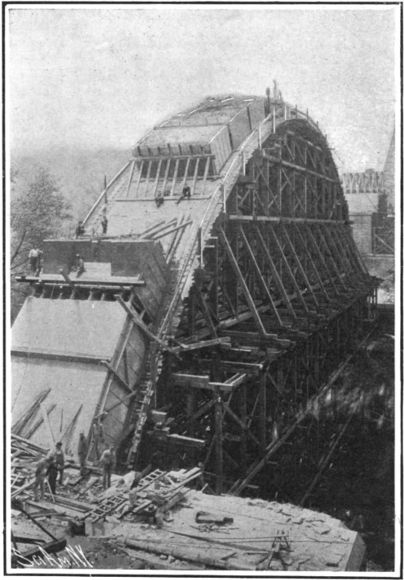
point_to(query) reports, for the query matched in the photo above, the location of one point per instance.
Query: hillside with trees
(50, 191)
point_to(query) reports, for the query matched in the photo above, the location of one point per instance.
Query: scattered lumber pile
(24, 456)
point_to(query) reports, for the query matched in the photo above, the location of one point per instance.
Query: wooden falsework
(278, 297)
(283, 283)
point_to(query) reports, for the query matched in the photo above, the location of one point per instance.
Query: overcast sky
(96, 77)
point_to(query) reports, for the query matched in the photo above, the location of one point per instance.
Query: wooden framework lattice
(280, 299)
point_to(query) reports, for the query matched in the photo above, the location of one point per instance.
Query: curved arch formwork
(230, 253)
(279, 297)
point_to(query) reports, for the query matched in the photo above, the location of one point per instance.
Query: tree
(38, 211)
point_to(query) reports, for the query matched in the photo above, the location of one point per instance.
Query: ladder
(105, 507)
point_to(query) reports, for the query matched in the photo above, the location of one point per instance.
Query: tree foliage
(38, 211)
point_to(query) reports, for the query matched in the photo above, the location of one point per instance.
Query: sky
(96, 77)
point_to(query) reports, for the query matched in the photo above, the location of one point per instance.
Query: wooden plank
(289, 270)
(116, 375)
(191, 441)
(260, 276)
(243, 283)
(177, 162)
(157, 178)
(299, 264)
(185, 174)
(219, 443)
(41, 353)
(205, 310)
(180, 227)
(139, 322)
(47, 424)
(275, 275)
(224, 341)
(132, 169)
(195, 381)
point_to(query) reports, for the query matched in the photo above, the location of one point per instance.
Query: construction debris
(156, 513)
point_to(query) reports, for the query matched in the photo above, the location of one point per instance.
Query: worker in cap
(39, 483)
(52, 473)
(60, 461)
(107, 462)
(82, 451)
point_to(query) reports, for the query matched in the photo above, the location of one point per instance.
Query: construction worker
(52, 473)
(60, 461)
(33, 260)
(159, 198)
(104, 224)
(186, 194)
(79, 265)
(82, 453)
(107, 461)
(40, 262)
(98, 436)
(80, 229)
(39, 483)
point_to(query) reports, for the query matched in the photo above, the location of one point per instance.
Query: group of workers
(48, 468)
(160, 195)
(80, 229)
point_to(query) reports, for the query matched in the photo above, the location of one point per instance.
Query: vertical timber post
(263, 412)
(219, 442)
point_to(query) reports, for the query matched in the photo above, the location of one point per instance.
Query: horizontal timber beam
(69, 357)
(202, 382)
(224, 341)
(78, 283)
(285, 220)
(297, 167)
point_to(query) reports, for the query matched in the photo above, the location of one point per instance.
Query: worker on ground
(60, 461)
(104, 224)
(39, 483)
(52, 473)
(80, 229)
(107, 461)
(98, 437)
(82, 453)
(33, 260)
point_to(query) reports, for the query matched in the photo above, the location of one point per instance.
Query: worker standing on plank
(39, 483)
(80, 265)
(60, 461)
(104, 224)
(33, 260)
(52, 473)
(107, 461)
(82, 453)
(80, 229)
(39, 262)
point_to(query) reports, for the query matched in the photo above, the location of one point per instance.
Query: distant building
(370, 197)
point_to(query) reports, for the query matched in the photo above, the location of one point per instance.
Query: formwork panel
(73, 385)
(69, 327)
